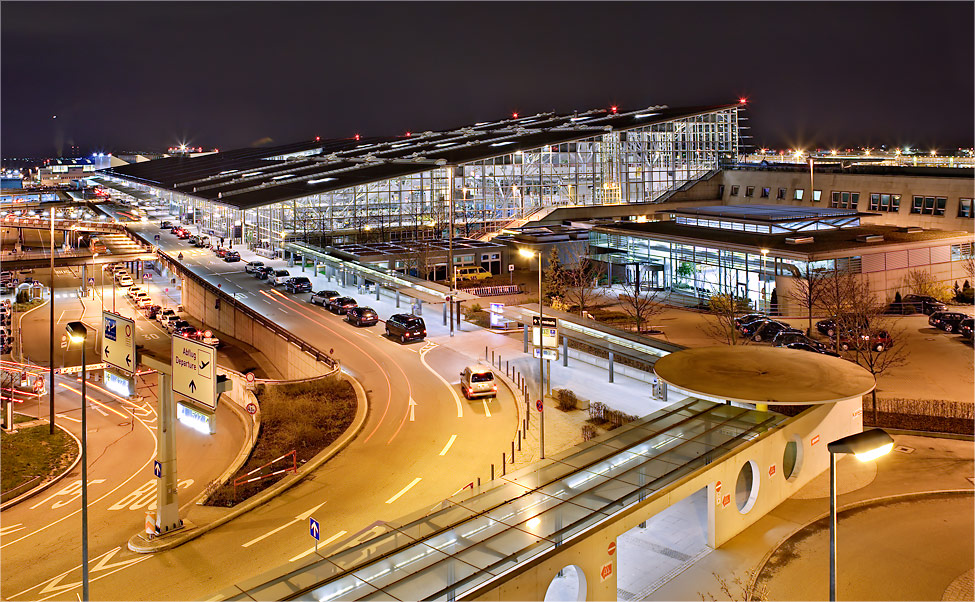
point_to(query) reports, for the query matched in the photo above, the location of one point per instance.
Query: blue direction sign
(314, 529)
(157, 469)
(91, 282)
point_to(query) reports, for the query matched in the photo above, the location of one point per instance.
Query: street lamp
(764, 255)
(529, 254)
(867, 445)
(78, 333)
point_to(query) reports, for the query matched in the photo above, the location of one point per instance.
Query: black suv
(406, 327)
(917, 303)
(812, 348)
(362, 316)
(965, 328)
(323, 297)
(263, 273)
(829, 325)
(340, 305)
(298, 284)
(748, 319)
(764, 330)
(948, 321)
(231, 256)
(788, 337)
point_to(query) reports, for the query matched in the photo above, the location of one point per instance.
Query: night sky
(145, 76)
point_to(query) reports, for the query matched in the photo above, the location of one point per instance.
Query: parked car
(298, 284)
(472, 273)
(278, 277)
(252, 266)
(829, 326)
(151, 311)
(231, 256)
(323, 297)
(125, 280)
(362, 316)
(134, 291)
(406, 327)
(205, 336)
(948, 321)
(193, 240)
(917, 303)
(764, 330)
(788, 337)
(165, 224)
(220, 251)
(143, 301)
(965, 329)
(263, 273)
(187, 331)
(878, 340)
(341, 305)
(815, 349)
(748, 318)
(166, 315)
(478, 381)
(172, 325)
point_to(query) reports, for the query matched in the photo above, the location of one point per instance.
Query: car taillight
(494, 387)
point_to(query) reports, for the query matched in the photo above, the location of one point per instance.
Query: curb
(45, 485)
(851, 506)
(20, 329)
(137, 543)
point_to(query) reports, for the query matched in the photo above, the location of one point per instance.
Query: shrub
(588, 432)
(23, 296)
(597, 410)
(474, 308)
(566, 398)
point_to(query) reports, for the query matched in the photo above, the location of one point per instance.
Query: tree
(554, 276)
(720, 324)
(639, 304)
(840, 294)
(685, 270)
(746, 589)
(921, 282)
(580, 278)
(807, 291)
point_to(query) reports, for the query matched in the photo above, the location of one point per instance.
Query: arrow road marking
(102, 565)
(323, 543)
(412, 407)
(301, 517)
(404, 490)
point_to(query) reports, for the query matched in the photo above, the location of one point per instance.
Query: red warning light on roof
(357, 136)
(407, 134)
(613, 109)
(318, 138)
(514, 115)
(742, 100)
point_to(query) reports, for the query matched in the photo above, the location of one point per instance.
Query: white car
(143, 301)
(279, 277)
(125, 280)
(135, 290)
(120, 273)
(166, 315)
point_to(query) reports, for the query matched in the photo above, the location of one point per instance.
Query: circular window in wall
(746, 488)
(569, 585)
(792, 458)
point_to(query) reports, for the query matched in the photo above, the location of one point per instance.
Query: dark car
(948, 321)
(813, 348)
(341, 305)
(788, 337)
(188, 332)
(298, 284)
(165, 224)
(152, 310)
(749, 318)
(323, 297)
(764, 330)
(263, 273)
(878, 340)
(174, 325)
(406, 327)
(829, 326)
(231, 256)
(362, 316)
(965, 328)
(917, 303)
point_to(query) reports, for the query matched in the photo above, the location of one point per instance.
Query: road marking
(7, 530)
(487, 410)
(450, 442)
(53, 585)
(95, 401)
(301, 517)
(312, 549)
(450, 387)
(404, 490)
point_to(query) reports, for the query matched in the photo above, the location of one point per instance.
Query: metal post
(377, 290)
(832, 527)
(610, 366)
(541, 364)
(565, 351)
(167, 497)
(397, 299)
(485, 352)
(84, 473)
(504, 464)
(519, 435)
(492, 472)
(512, 452)
(451, 271)
(445, 313)
(525, 337)
(50, 388)
(492, 357)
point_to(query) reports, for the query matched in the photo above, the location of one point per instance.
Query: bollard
(492, 357)
(506, 368)
(397, 299)
(519, 437)
(504, 464)
(512, 452)
(565, 351)
(499, 361)
(485, 352)
(377, 291)
(610, 366)
(492, 472)
(478, 482)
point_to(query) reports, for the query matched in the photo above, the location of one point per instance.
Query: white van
(478, 381)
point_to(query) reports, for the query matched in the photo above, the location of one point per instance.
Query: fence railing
(255, 475)
(494, 291)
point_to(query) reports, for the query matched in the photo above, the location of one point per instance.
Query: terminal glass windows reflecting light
(734, 191)
(817, 195)
(942, 203)
(781, 195)
(749, 191)
(798, 195)
(964, 207)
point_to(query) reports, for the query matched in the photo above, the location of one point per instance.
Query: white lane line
(300, 517)
(487, 410)
(404, 490)
(450, 442)
(7, 530)
(450, 387)
(312, 549)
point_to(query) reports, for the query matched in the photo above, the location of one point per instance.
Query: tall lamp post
(78, 333)
(867, 445)
(50, 366)
(529, 254)
(764, 302)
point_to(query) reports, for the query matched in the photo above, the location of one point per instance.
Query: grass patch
(27, 306)
(32, 455)
(306, 417)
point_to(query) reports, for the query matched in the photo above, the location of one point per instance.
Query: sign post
(315, 530)
(118, 341)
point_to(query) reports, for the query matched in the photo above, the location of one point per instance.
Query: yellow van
(472, 273)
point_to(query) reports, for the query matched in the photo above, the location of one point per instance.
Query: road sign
(717, 487)
(548, 354)
(118, 341)
(314, 529)
(611, 548)
(157, 469)
(195, 371)
(250, 377)
(511, 267)
(91, 281)
(251, 408)
(38, 385)
(539, 405)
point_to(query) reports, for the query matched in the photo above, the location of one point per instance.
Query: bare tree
(746, 589)
(922, 282)
(639, 304)
(840, 295)
(807, 291)
(580, 278)
(720, 323)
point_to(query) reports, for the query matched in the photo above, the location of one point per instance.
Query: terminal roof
(768, 213)
(255, 177)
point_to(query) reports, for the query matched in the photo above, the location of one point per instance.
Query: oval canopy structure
(764, 375)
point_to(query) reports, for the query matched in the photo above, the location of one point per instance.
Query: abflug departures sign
(194, 371)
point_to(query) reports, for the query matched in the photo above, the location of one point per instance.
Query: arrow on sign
(106, 351)
(412, 408)
(192, 387)
(314, 529)
(128, 359)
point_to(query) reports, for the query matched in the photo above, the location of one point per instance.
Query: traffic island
(33, 459)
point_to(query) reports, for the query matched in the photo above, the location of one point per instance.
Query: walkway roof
(255, 177)
(471, 539)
